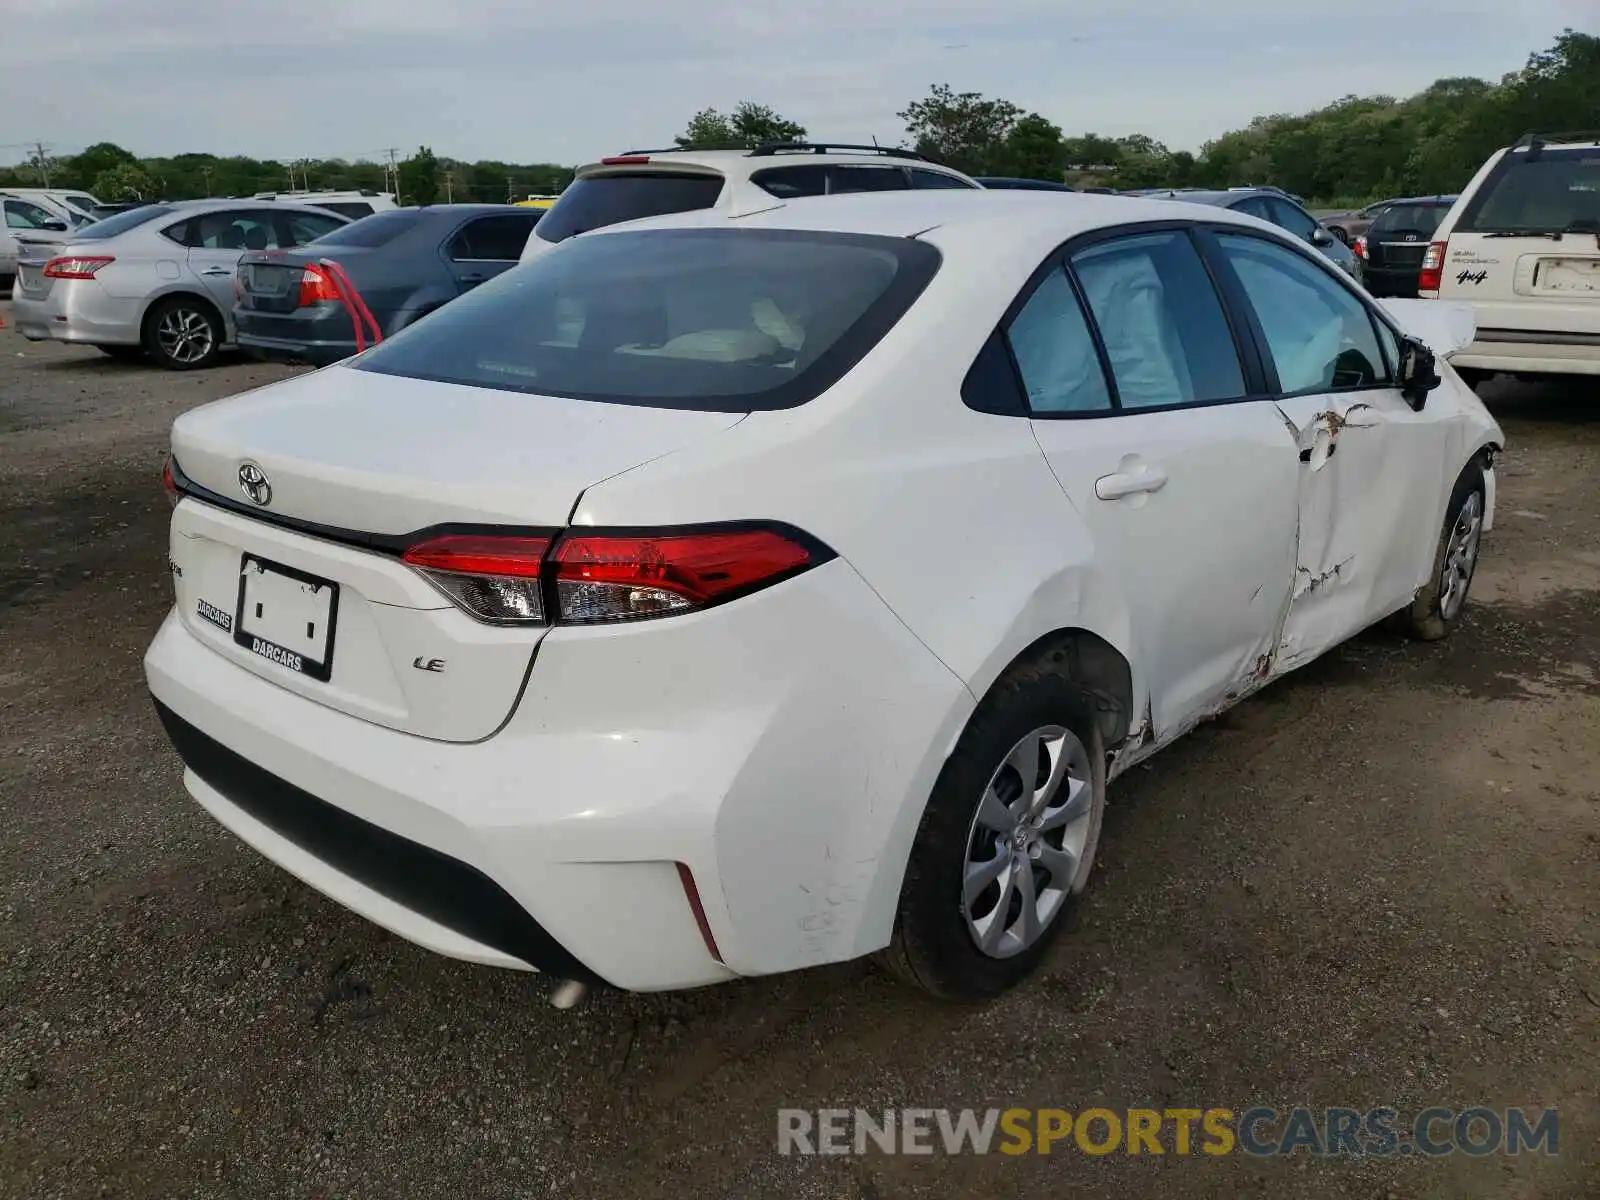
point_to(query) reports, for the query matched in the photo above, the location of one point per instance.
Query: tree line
(1356, 149)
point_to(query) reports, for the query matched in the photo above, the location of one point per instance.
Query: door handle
(216, 271)
(472, 278)
(1130, 483)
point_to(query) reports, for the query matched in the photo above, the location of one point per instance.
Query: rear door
(1185, 477)
(1524, 248)
(486, 246)
(1371, 468)
(217, 240)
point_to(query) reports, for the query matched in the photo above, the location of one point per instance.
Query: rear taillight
(76, 267)
(491, 578)
(1432, 273)
(1361, 247)
(625, 160)
(316, 286)
(169, 481)
(600, 578)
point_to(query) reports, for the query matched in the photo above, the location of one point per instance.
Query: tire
(1338, 231)
(1437, 609)
(183, 333)
(935, 944)
(122, 353)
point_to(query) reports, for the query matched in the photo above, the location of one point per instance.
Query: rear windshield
(716, 320)
(122, 222)
(1557, 191)
(601, 200)
(1421, 219)
(377, 230)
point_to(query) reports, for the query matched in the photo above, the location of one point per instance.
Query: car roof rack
(772, 149)
(1533, 143)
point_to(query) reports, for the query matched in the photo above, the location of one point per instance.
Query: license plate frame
(1575, 269)
(278, 584)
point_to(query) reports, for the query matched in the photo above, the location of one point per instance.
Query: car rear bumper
(1399, 282)
(779, 749)
(1531, 351)
(319, 335)
(318, 354)
(77, 310)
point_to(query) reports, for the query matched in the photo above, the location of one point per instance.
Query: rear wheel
(1338, 231)
(183, 333)
(1437, 609)
(1007, 842)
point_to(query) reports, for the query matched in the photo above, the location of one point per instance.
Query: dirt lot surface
(1378, 882)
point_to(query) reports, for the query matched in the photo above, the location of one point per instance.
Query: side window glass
(1391, 346)
(921, 178)
(791, 182)
(1161, 321)
(1292, 219)
(300, 228)
(1055, 352)
(1255, 206)
(846, 178)
(235, 230)
(22, 215)
(492, 239)
(1318, 333)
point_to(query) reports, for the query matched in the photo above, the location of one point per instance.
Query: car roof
(214, 204)
(743, 163)
(1021, 221)
(1437, 198)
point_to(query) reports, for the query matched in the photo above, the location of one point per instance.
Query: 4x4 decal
(1472, 277)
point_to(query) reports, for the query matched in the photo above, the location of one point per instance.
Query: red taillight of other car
(169, 483)
(600, 578)
(1360, 247)
(316, 286)
(76, 266)
(1432, 273)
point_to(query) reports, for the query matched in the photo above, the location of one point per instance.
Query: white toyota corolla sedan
(711, 599)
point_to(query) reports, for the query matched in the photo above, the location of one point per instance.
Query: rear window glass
(716, 320)
(122, 222)
(1558, 190)
(601, 200)
(377, 230)
(1421, 219)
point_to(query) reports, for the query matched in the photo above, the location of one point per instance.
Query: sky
(568, 82)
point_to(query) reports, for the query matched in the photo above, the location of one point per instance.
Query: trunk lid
(307, 589)
(269, 281)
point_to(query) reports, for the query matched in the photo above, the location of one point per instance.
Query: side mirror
(54, 225)
(1321, 237)
(1418, 374)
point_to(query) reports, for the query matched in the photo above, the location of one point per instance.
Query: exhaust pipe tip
(569, 993)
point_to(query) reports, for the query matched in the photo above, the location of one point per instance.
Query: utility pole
(205, 174)
(449, 187)
(391, 176)
(41, 161)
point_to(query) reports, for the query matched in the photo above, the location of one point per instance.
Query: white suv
(655, 183)
(354, 205)
(1522, 245)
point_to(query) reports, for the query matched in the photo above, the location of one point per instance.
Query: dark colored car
(404, 263)
(1395, 242)
(1012, 183)
(1276, 206)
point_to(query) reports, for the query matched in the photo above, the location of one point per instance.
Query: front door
(1371, 467)
(1188, 488)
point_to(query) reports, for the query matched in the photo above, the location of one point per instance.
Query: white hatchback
(702, 602)
(1522, 245)
(640, 184)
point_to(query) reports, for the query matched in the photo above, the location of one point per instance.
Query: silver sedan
(155, 280)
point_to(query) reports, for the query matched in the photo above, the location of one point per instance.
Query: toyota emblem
(253, 483)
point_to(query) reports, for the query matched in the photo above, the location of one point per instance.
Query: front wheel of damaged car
(1437, 609)
(1007, 842)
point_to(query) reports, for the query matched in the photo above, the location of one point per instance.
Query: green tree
(419, 177)
(1033, 149)
(748, 125)
(708, 130)
(965, 130)
(81, 170)
(127, 181)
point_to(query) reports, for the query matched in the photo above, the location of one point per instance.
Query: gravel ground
(1376, 882)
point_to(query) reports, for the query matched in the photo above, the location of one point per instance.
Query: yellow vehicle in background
(537, 202)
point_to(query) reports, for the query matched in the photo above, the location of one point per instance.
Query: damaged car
(709, 599)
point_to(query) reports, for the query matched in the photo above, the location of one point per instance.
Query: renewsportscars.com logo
(1261, 1131)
